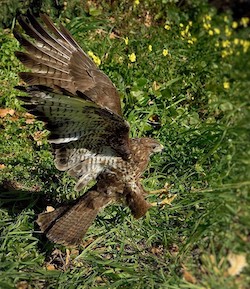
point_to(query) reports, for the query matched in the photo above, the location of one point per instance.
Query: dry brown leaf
(87, 242)
(157, 250)
(174, 249)
(237, 263)
(112, 35)
(67, 259)
(156, 86)
(22, 285)
(6, 111)
(188, 277)
(50, 267)
(29, 120)
(49, 209)
(148, 20)
(14, 118)
(38, 135)
(28, 115)
(212, 259)
(74, 252)
(2, 166)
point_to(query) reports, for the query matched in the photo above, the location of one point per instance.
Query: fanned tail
(68, 224)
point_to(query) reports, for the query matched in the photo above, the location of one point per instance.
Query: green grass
(196, 103)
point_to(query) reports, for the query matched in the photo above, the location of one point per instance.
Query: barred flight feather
(55, 59)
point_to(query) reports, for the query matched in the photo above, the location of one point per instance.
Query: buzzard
(90, 138)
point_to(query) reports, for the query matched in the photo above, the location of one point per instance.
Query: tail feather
(67, 225)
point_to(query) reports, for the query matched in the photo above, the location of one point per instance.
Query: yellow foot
(160, 191)
(165, 191)
(166, 201)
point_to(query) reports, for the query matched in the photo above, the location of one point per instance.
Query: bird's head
(153, 145)
(148, 145)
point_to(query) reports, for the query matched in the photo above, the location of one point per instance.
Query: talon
(164, 202)
(162, 191)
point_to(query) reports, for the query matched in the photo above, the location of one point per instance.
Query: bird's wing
(86, 137)
(55, 59)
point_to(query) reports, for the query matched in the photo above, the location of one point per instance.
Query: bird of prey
(90, 138)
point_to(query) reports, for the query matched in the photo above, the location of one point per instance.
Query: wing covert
(86, 138)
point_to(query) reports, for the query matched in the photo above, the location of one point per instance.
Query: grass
(195, 100)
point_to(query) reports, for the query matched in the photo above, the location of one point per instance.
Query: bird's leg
(164, 191)
(166, 201)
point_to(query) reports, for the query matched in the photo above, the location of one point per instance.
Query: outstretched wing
(55, 59)
(87, 138)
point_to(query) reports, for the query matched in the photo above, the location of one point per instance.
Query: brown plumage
(90, 139)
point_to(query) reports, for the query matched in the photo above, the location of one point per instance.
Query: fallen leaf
(157, 250)
(29, 120)
(2, 166)
(6, 111)
(112, 35)
(67, 259)
(38, 135)
(28, 115)
(49, 209)
(188, 276)
(174, 249)
(50, 267)
(148, 20)
(87, 242)
(237, 263)
(155, 86)
(22, 285)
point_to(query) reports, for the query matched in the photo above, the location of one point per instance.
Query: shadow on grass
(15, 201)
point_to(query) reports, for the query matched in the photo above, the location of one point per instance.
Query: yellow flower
(136, 2)
(181, 25)
(224, 53)
(225, 18)
(183, 33)
(167, 27)
(190, 41)
(236, 41)
(126, 40)
(245, 44)
(96, 59)
(208, 17)
(228, 31)
(244, 21)
(210, 32)
(226, 85)
(216, 30)
(225, 43)
(190, 23)
(150, 48)
(234, 25)
(91, 54)
(165, 52)
(132, 57)
(207, 26)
